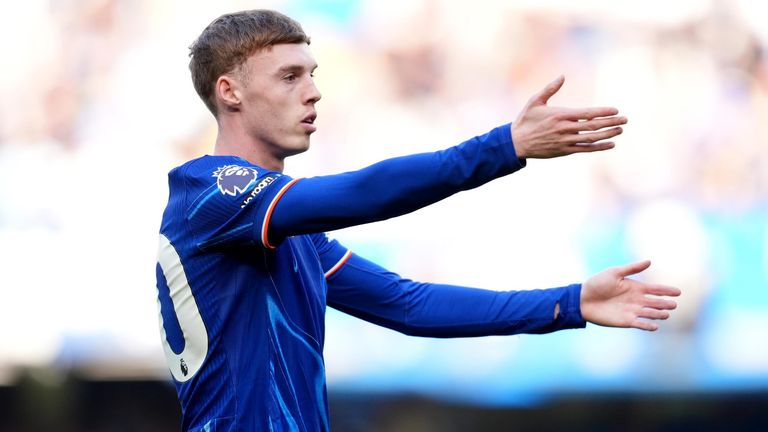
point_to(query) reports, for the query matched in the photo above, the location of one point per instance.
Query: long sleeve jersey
(245, 271)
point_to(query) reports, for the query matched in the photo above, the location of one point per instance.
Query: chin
(297, 149)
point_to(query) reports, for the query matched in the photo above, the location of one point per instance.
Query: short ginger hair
(228, 41)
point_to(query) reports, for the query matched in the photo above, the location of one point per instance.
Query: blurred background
(96, 106)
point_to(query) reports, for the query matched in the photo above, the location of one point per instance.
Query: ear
(227, 92)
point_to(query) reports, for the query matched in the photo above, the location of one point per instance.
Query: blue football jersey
(242, 322)
(245, 272)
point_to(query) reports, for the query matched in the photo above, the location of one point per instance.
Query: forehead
(280, 56)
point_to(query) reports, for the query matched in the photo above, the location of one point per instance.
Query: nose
(312, 94)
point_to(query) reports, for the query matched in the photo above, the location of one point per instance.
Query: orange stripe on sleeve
(338, 265)
(268, 216)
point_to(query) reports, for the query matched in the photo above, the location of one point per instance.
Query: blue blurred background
(96, 105)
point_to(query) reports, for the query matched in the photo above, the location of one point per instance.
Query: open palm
(610, 298)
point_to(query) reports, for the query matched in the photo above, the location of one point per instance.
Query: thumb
(543, 96)
(634, 268)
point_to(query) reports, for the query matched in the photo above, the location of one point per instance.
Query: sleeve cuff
(503, 134)
(570, 308)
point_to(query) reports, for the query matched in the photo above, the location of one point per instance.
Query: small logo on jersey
(184, 368)
(266, 181)
(234, 179)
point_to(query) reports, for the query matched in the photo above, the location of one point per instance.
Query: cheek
(273, 105)
(265, 114)
(271, 113)
(270, 123)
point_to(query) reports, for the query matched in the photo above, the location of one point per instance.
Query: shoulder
(230, 174)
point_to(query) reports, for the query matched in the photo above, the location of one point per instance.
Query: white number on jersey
(183, 365)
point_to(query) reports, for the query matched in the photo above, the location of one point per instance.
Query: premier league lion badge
(234, 179)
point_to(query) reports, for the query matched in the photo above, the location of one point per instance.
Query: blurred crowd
(97, 106)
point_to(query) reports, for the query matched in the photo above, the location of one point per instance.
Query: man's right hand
(542, 131)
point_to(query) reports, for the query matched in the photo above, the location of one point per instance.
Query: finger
(595, 124)
(644, 325)
(577, 114)
(547, 92)
(661, 304)
(634, 268)
(662, 290)
(653, 314)
(589, 148)
(592, 137)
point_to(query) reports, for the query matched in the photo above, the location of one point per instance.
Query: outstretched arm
(392, 187)
(368, 291)
(397, 186)
(612, 299)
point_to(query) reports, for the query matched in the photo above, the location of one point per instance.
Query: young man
(245, 270)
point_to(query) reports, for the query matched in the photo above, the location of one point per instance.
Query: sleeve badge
(234, 179)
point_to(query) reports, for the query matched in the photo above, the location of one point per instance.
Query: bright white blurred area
(96, 106)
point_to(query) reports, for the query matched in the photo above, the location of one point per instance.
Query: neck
(234, 141)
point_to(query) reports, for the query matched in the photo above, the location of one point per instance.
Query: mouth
(310, 118)
(309, 122)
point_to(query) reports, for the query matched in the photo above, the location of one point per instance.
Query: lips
(310, 118)
(309, 122)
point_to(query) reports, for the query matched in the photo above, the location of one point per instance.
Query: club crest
(234, 179)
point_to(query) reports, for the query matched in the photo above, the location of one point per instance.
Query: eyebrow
(294, 68)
